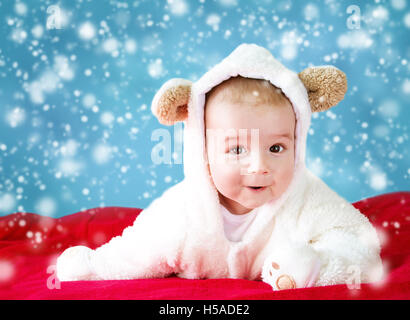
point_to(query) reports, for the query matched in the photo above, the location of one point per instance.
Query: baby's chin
(252, 203)
(255, 203)
(246, 200)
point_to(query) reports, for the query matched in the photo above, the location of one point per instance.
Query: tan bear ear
(170, 103)
(326, 86)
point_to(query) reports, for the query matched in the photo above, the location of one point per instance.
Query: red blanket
(30, 244)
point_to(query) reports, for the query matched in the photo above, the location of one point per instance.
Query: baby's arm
(147, 249)
(349, 254)
(339, 255)
(330, 242)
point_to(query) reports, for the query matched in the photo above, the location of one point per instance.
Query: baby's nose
(257, 165)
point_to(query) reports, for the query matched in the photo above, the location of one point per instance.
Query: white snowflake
(178, 7)
(86, 31)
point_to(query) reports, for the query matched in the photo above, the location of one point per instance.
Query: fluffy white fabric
(313, 234)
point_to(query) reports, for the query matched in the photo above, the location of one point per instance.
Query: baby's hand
(277, 279)
(295, 267)
(74, 264)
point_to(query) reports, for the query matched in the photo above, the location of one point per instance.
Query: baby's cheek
(285, 177)
(225, 178)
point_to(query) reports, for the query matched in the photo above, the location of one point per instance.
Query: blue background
(76, 84)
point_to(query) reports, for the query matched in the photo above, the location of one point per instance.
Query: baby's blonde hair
(255, 91)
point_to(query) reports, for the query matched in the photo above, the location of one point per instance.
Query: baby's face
(241, 157)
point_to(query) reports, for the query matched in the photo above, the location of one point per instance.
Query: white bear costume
(309, 233)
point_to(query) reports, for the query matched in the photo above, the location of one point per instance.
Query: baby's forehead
(246, 109)
(245, 120)
(248, 132)
(245, 105)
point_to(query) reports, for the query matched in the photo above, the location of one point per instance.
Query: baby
(249, 173)
(247, 207)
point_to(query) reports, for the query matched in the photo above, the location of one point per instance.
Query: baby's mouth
(256, 188)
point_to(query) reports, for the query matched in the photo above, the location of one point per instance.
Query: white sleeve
(340, 255)
(147, 249)
(328, 242)
(349, 255)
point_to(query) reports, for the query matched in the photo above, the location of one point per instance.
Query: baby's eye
(237, 150)
(276, 148)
